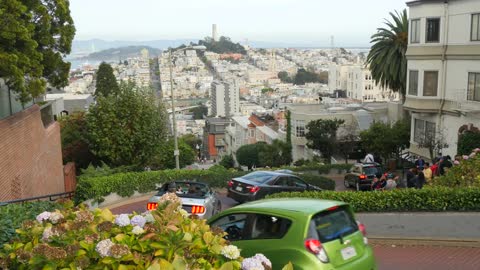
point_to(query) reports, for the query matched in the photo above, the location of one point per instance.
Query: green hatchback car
(312, 234)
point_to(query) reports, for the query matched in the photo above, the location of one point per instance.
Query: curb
(420, 241)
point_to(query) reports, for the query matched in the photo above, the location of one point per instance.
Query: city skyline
(302, 23)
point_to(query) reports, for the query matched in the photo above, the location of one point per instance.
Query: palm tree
(386, 58)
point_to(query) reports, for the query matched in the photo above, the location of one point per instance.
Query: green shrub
(77, 238)
(12, 216)
(400, 200)
(319, 181)
(322, 169)
(465, 174)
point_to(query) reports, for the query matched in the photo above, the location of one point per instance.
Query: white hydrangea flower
(103, 247)
(138, 221)
(55, 217)
(43, 216)
(122, 220)
(262, 258)
(149, 217)
(137, 230)
(231, 252)
(252, 264)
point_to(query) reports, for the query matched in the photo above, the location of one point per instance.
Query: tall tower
(214, 32)
(273, 64)
(332, 42)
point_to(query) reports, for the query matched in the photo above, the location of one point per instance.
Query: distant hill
(122, 53)
(100, 44)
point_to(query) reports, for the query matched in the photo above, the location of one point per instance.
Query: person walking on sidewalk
(427, 172)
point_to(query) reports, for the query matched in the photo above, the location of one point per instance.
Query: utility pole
(176, 153)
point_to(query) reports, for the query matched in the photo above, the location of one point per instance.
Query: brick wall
(30, 156)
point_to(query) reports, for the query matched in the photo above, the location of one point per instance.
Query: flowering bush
(77, 238)
(464, 173)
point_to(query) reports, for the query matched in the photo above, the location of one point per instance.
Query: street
(389, 257)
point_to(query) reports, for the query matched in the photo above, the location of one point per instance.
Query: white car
(197, 198)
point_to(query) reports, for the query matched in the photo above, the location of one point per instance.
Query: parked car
(257, 185)
(361, 175)
(312, 234)
(197, 198)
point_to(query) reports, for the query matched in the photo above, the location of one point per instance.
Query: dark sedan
(361, 175)
(257, 185)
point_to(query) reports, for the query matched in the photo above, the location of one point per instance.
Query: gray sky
(308, 22)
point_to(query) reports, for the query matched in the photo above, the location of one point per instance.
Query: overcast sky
(309, 22)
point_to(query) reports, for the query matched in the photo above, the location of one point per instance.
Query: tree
(322, 136)
(164, 158)
(227, 162)
(248, 155)
(34, 38)
(348, 141)
(386, 58)
(385, 140)
(192, 140)
(276, 154)
(73, 131)
(106, 81)
(284, 77)
(303, 76)
(468, 141)
(289, 133)
(126, 129)
(199, 112)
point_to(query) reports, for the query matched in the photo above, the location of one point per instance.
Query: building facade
(225, 98)
(443, 73)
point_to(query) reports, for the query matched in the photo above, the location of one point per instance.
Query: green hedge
(400, 200)
(322, 169)
(125, 184)
(12, 216)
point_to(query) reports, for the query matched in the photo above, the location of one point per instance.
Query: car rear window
(372, 170)
(332, 224)
(186, 189)
(258, 177)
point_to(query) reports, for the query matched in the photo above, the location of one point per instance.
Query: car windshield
(372, 170)
(333, 224)
(259, 177)
(185, 189)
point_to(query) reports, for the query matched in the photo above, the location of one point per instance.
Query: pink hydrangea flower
(465, 157)
(456, 162)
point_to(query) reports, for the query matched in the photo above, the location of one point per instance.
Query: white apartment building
(357, 81)
(443, 72)
(225, 98)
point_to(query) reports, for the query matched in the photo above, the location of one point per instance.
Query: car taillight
(363, 176)
(314, 246)
(152, 206)
(230, 183)
(362, 229)
(253, 189)
(198, 209)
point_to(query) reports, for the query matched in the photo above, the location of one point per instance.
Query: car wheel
(345, 183)
(357, 186)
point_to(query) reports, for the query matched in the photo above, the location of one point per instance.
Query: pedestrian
(420, 179)
(427, 172)
(434, 167)
(411, 174)
(445, 163)
(381, 183)
(369, 158)
(391, 182)
(420, 162)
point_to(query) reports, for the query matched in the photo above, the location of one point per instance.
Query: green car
(312, 234)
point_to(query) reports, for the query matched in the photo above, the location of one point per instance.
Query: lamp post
(176, 152)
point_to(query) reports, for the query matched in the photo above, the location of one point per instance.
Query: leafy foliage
(106, 82)
(304, 76)
(84, 239)
(387, 60)
(227, 162)
(126, 129)
(34, 37)
(199, 112)
(276, 154)
(400, 200)
(322, 182)
(192, 140)
(73, 130)
(248, 155)
(284, 77)
(12, 219)
(322, 136)
(386, 140)
(223, 45)
(164, 158)
(465, 174)
(468, 141)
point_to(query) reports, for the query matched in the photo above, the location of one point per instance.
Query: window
(413, 82)
(269, 227)
(475, 31)
(300, 128)
(430, 83)
(415, 31)
(473, 91)
(433, 30)
(233, 224)
(423, 131)
(327, 226)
